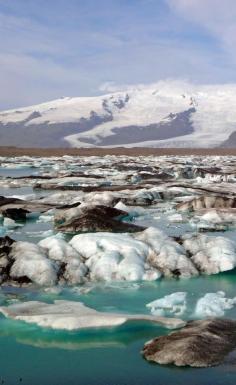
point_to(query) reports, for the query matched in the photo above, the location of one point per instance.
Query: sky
(55, 48)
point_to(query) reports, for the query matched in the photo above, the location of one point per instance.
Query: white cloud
(218, 17)
(95, 50)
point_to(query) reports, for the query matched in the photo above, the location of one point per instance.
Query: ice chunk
(115, 256)
(167, 255)
(212, 217)
(172, 304)
(175, 218)
(144, 255)
(30, 261)
(213, 305)
(10, 223)
(71, 315)
(211, 255)
(45, 218)
(59, 250)
(105, 198)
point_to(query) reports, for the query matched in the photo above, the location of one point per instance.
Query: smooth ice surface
(70, 315)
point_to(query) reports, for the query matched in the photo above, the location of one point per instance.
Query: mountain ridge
(165, 114)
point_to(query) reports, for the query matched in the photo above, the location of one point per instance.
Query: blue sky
(54, 48)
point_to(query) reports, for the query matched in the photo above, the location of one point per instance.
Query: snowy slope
(165, 114)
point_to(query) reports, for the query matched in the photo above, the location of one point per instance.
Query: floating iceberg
(171, 305)
(213, 305)
(71, 315)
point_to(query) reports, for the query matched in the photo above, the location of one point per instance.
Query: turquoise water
(104, 356)
(85, 365)
(32, 355)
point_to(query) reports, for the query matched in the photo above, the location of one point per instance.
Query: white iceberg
(213, 305)
(171, 305)
(211, 255)
(10, 223)
(59, 250)
(167, 255)
(112, 256)
(30, 261)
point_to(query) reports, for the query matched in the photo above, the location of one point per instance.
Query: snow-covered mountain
(165, 114)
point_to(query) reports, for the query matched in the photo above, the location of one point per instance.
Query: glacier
(164, 114)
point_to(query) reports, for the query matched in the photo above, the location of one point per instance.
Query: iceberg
(71, 315)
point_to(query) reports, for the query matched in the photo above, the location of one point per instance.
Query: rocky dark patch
(15, 214)
(99, 218)
(61, 270)
(199, 344)
(5, 261)
(43, 177)
(176, 125)
(34, 134)
(18, 208)
(91, 223)
(23, 280)
(5, 201)
(69, 206)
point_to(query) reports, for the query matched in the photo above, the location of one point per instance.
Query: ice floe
(213, 305)
(71, 315)
(171, 305)
(181, 304)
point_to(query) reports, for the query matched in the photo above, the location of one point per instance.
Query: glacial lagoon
(31, 354)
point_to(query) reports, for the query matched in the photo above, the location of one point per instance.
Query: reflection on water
(93, 358)
(118, 337)
(105, 356)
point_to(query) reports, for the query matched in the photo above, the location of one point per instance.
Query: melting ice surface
(111, 355)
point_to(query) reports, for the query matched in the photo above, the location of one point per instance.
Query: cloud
(78, 48)
(215, 16)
